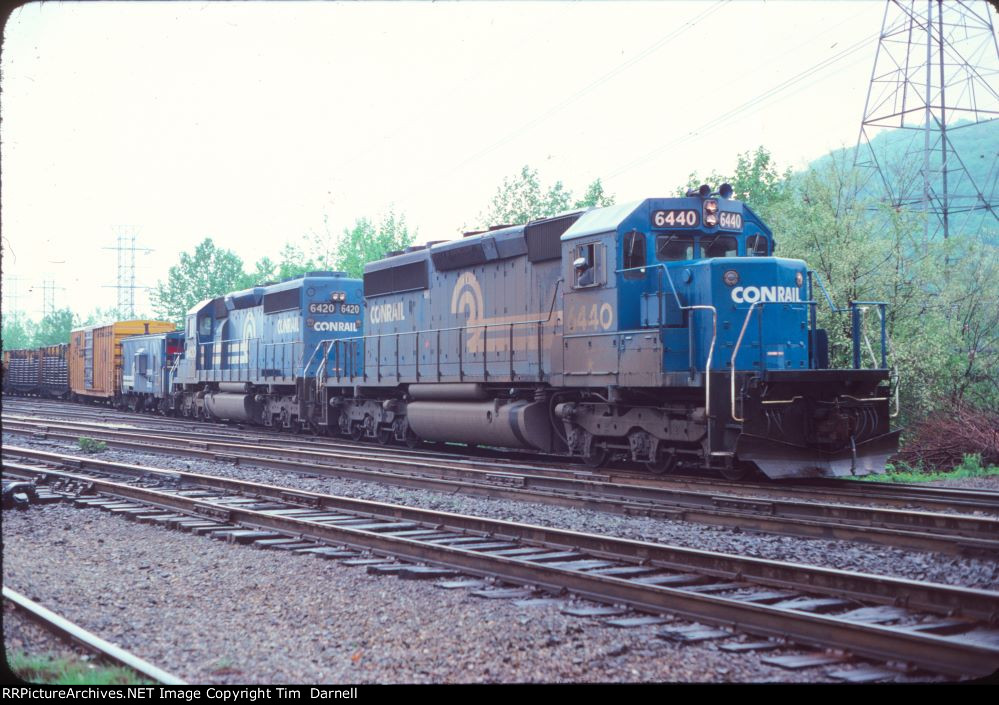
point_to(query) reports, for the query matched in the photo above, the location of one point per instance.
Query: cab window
(205, 326)
(719, 246)
(670, 248)
(633, 255)
(587, 265)
(757, 245)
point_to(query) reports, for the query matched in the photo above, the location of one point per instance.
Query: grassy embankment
(971, 466)
(72, 671)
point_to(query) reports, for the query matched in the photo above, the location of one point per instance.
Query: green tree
(18, 331)
(208, 271)
(54, 328)
(595, 197)
(293, 262)
(101, 316)
(756, 182)
(265, 270)
(367, 241)
(942, 319)
(323, 246)
(522, 198)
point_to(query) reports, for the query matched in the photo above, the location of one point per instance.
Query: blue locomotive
(662, 331)
(245, 353)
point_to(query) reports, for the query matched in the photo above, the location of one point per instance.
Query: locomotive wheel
(597, 457)
(384, 436)
(356, 432)
(735, 471)
(664, 463)
(412, 440)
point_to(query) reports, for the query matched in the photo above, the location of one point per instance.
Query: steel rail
(937, 653)
(894, 494)
(977, 500)
(947, 533)
(50, 620)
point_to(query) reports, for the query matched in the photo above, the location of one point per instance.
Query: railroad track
(89, 641)
(822, 490)
(944, 629)
(952, 533)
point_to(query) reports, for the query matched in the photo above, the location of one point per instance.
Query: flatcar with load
(37, 372)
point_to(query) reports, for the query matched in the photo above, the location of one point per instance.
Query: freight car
(660, 331)
(95, 358)
(145, 366)
(38, 371)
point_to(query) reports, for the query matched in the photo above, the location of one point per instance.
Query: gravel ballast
(845, 555)
(214, 612)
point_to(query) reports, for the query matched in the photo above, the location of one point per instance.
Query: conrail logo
(467, 298)
(387, 313)
(764, 294)
(335, 326)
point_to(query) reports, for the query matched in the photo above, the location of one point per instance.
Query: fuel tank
(234, 407)
(516, 424)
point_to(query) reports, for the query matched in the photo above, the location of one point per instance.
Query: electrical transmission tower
(11, 297)
(126, 285)
(48, 297)
(936, 72)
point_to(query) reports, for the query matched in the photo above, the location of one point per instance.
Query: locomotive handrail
(437, 331)
(832, 305)
(856, 309)
(738, 344)
(735, 351)
(661, 266)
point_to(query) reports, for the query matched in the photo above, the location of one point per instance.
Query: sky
(259, 123)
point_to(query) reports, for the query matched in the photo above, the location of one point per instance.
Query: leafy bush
(947, 439)
(89, 445)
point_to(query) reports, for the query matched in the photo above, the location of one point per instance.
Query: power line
(757, 101)
(643, 54)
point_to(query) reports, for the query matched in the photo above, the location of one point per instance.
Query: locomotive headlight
(731, 277)
(711, 219)
(711, 206)
(799, 278)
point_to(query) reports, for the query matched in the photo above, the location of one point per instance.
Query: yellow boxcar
(95, 356)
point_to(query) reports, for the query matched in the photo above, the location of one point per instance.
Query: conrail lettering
(764, 294)
(388, 313)
(335, 326)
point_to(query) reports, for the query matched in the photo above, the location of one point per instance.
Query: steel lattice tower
(48, 298)
(936, 71)
(126, 285)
